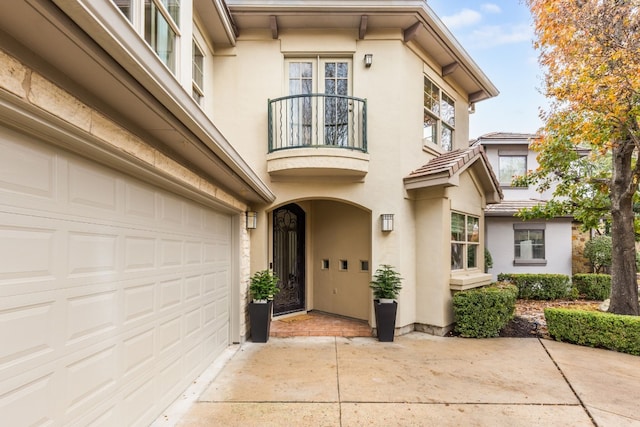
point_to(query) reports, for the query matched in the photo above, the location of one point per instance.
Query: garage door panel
(138, 351)
(139, 202)
(27, 333)
(112, 291)
(139, 253)
(26, 169)
(26, 251)
(91, 314)
(138, 303)
(94, 190)
(33, 391)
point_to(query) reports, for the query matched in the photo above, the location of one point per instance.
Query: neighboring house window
(439, 116)
(161, 25)
(197, 73)
(511, 166)
(529, 244)
(465, 241)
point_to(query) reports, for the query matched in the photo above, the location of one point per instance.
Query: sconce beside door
(368, 59)
(252, 220)
(386, 222)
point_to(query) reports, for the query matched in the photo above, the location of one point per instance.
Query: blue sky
(498, 35)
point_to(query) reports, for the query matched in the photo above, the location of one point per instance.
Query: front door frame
(291, 271)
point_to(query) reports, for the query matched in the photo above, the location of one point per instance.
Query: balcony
(318, 135)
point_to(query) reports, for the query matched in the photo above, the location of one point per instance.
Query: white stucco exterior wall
(500, 243)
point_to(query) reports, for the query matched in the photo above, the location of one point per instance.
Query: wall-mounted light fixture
(368, 59)
(386, 222)
(472, 107)
(252, 220)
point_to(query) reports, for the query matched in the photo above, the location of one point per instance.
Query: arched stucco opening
(337, 257)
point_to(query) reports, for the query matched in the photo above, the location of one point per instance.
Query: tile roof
(510, 207)
(444, 169)
(503, 138)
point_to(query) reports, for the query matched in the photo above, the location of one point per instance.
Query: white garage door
(114, 294)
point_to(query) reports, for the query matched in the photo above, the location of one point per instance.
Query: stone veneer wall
(579, 264)
(36, 90)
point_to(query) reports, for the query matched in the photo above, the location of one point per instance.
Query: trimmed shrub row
(593, 286)
(483, 312)
(539, 286)
(595, 329)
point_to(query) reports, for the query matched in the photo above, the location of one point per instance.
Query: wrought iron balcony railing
(318, 120)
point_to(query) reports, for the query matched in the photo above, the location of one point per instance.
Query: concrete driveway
(418, 380)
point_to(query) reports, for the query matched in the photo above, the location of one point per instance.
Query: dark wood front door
(288, 258)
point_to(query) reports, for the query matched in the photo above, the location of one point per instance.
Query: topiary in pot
(386, 287)
(263, 286)
(386, 283)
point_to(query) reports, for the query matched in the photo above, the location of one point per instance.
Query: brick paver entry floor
(316, 323)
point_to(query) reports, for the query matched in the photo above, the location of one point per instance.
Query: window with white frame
(329, 76)
(439, 117)
(510, 166)
(529, 244)
(161, 25)
(197, 72)
(465, 241)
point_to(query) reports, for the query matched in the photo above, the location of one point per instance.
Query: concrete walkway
(418, 380)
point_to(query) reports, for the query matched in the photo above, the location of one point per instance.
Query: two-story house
(517, 246)
(141, 141)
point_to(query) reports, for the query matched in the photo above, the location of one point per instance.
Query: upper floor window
(197, 73)
(439, 116)
(320, 76)
(161, 25)
(511, 166)
(465, 241)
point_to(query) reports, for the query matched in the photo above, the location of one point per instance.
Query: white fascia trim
(109, 28)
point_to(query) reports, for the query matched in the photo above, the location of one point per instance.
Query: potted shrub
(386, 286)
(263, 286)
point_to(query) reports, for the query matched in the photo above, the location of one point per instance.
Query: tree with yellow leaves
(590, 145)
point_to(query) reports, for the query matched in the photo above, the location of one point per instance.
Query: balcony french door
(319, 120)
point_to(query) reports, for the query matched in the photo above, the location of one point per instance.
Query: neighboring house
(138, 140)
(517, 246)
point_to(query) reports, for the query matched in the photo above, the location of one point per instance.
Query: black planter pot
(260, 320)
(385, 319)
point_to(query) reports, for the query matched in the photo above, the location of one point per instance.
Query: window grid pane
(529, 244)
(198, 66)
(439, 116)
(430, 131)
(511, 166)
(159, 34)
(465, 238)
(431, 97)
(446, 141)
(448, 114)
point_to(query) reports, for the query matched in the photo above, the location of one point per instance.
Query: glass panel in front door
(288, 258)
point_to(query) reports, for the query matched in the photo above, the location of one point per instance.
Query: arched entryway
(321, 252)
(289, 262)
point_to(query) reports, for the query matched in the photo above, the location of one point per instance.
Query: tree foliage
(590, 50)
(598, 252)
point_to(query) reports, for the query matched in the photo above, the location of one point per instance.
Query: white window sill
(464, 281)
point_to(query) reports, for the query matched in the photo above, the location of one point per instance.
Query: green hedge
(593, 286)
(595, 329)
(483, 312)
(539, 286)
